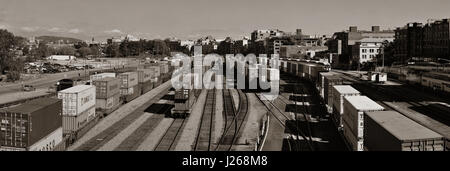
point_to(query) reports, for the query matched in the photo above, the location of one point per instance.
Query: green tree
(112, 50)
(84, 51)
(66, 50)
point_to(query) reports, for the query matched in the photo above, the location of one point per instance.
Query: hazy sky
(193, 18)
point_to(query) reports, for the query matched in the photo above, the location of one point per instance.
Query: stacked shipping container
(129, 87)
(329, 82)
(391, 131)
(353, 119)
(78, 107)
(339, 92)
(144, 80)
(102, 75)
(33, 126)
(107, 94)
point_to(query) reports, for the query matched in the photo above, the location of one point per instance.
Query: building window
(372, 50)
(364, 50)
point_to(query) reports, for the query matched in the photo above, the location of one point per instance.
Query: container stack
(129, 86)
(156, 75)
(107, 94)
(339, 92)
(392, 131)
(32, 126)
(322, 82)
(353, 119)
(329, 82)
(102, 75)
(78, 107)
(144, 80)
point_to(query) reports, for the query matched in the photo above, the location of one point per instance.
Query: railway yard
(138, 111)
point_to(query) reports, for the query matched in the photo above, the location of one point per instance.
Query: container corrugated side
(102, 75)
(108, 103)
(144, 75)
(77, 102)
(106, 87)
(71, 124)
(34, 126)
(128, 79)
(379, 137)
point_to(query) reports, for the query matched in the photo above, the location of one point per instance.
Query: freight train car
(184, 99)
(392, 131)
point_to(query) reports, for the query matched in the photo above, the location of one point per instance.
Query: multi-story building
(408, 42)
(436, 39)
(417, 41)
(300, 52)
(342, 43)
(258, 35)
(367, 49)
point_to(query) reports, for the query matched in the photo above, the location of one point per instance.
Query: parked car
(28, 88)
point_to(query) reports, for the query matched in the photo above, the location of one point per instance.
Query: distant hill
(55, 39)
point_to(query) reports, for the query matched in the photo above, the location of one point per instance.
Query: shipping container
(72, 124)
(392, 131)
(164, 68)
(322, 82)
(329, 82)
(128, 79)
(131, 96)
(146, 87)
(49, 142)
(102, 75)
(106, 87)
(156, 70)
(371, 76)
(339, 92)
(108, 103)
(144, 75)
(26, 124)
(381, 77)
(353, 117)
(77, 99)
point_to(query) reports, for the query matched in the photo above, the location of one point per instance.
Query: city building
(342, 43)
(61, 57)
(408, 42)
(416, 41)
(300, 52)
(367, 49)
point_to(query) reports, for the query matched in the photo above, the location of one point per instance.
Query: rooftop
(363, 103)
(31, 106)
(76, 89)
(402, 127)
(345, 89)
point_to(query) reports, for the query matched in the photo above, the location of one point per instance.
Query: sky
(191, 19)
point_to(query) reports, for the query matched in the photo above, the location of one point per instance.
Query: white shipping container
(339, 92)
(77, 99)
(102, 75)
(353, 117)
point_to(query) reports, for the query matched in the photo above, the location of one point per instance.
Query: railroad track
(298, 89)
(109, 133)
(233, 120)
(204, 135)
(169, 138)
(407, 97)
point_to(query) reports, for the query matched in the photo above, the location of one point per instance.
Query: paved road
(46, 81)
